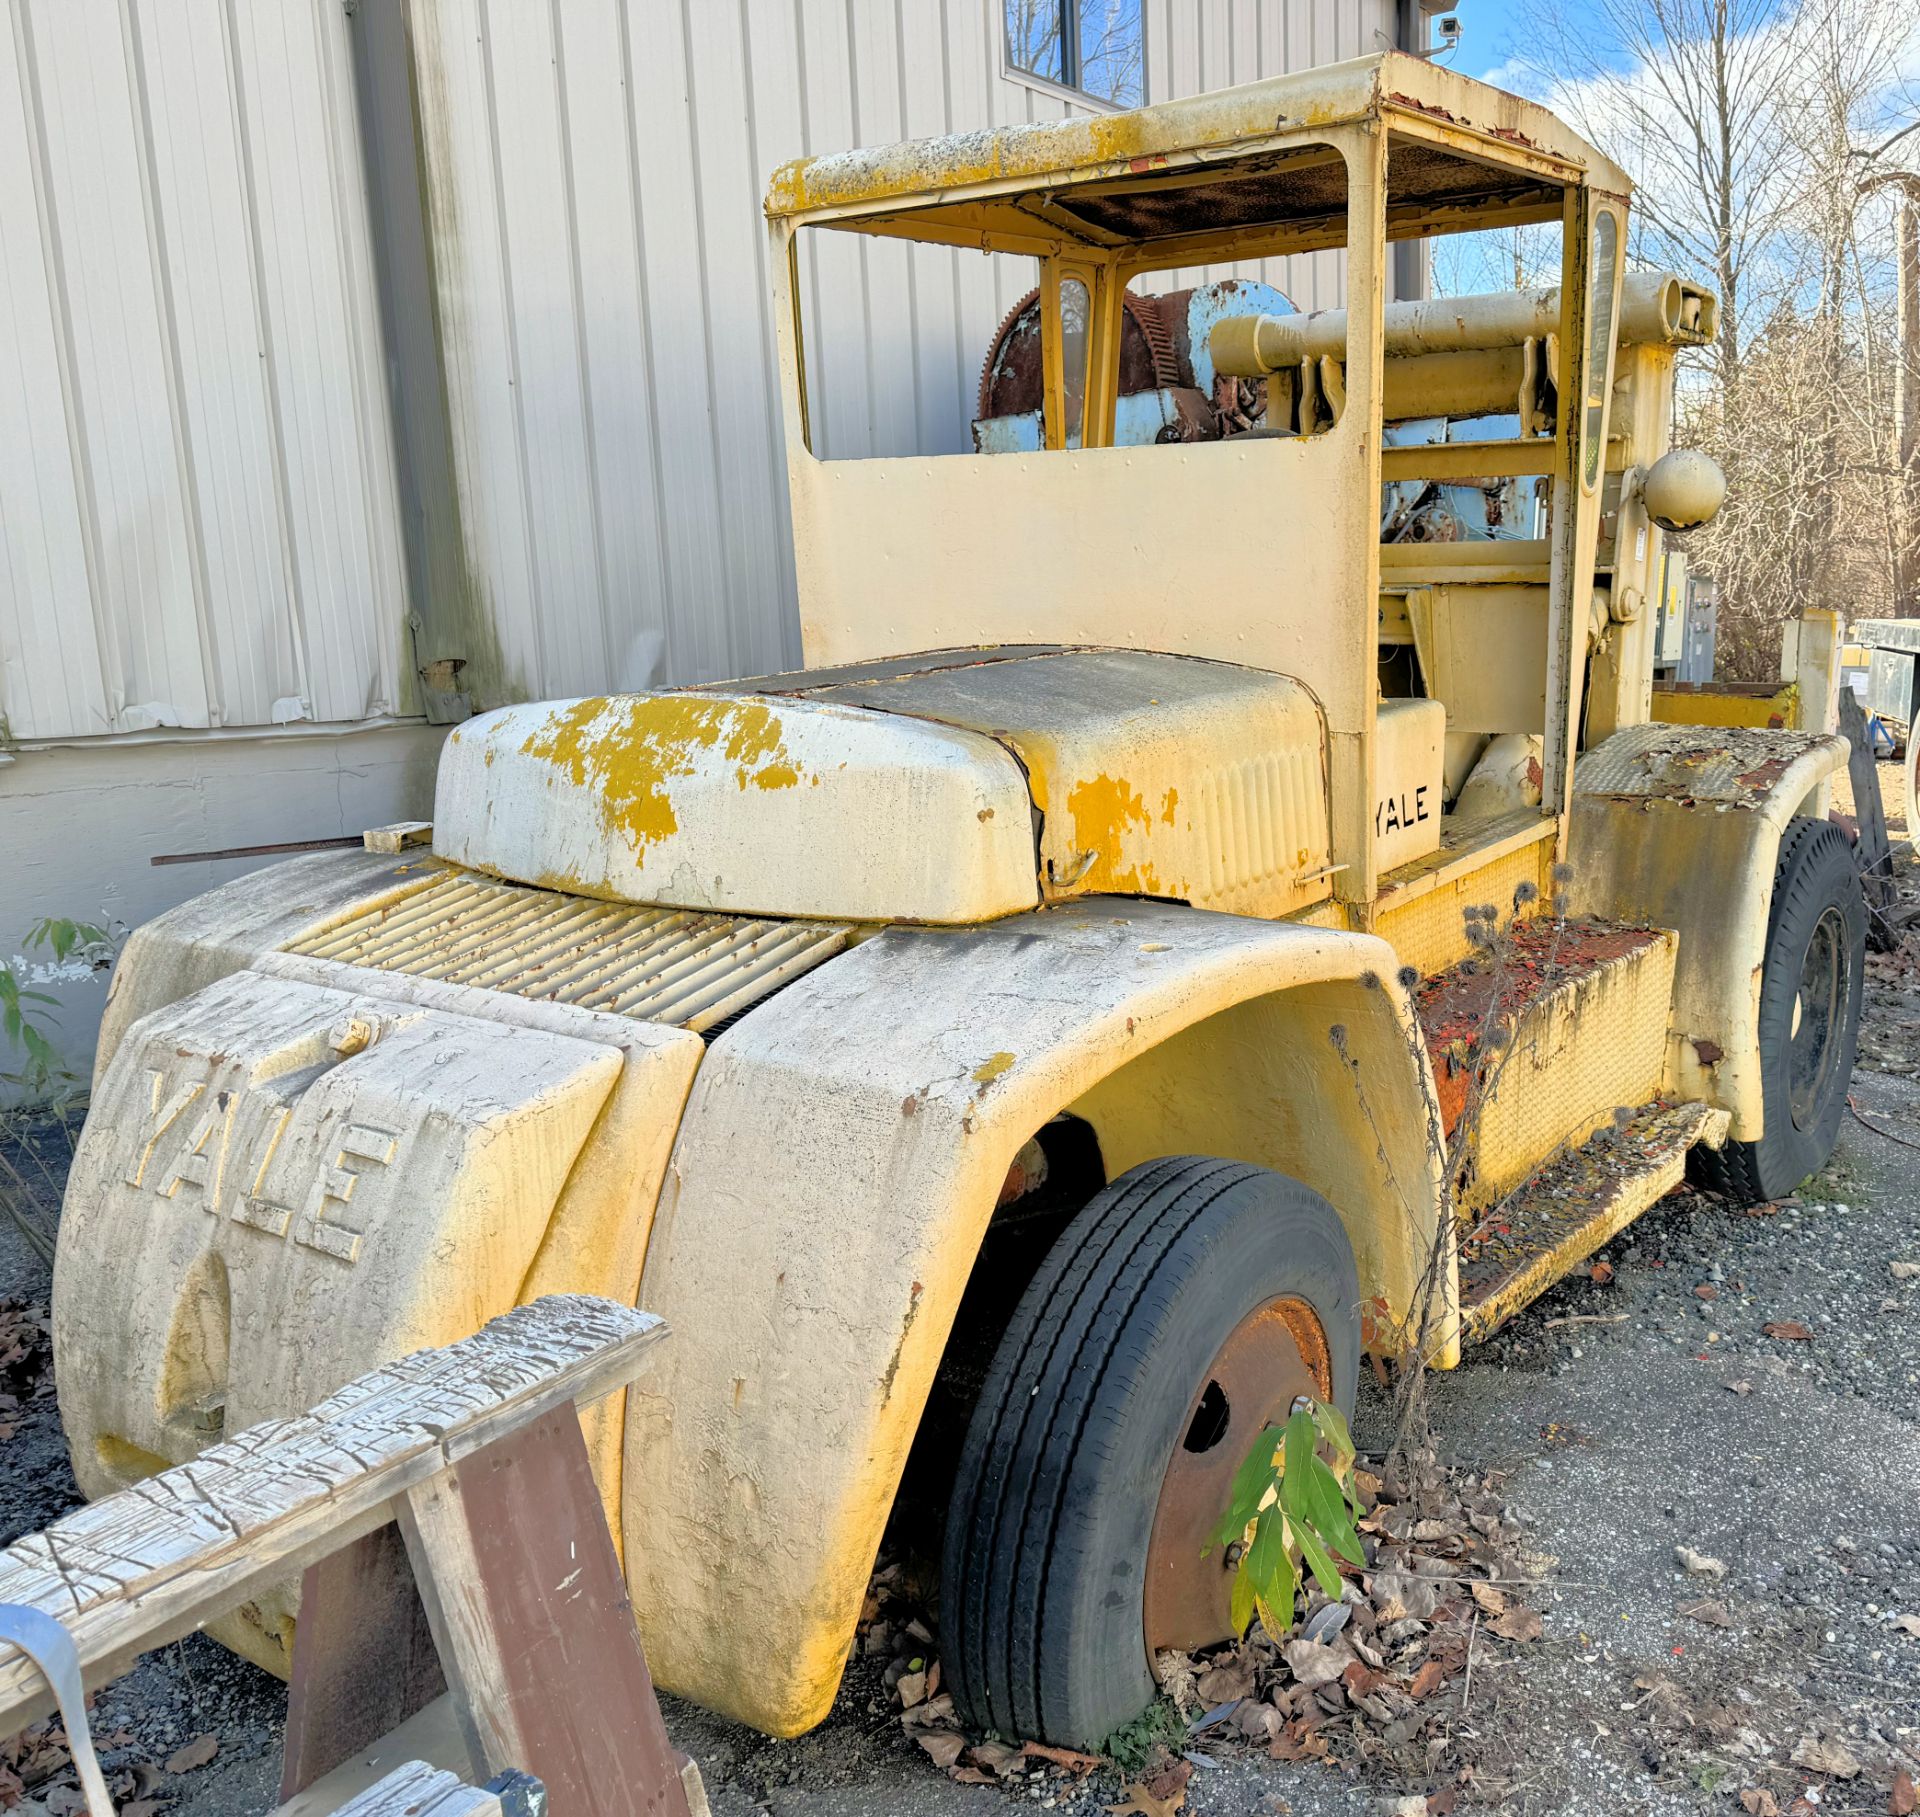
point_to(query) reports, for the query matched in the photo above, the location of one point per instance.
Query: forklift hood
(954, 787)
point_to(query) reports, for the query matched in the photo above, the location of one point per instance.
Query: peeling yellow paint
(1104, 810)
(1168, 803)
(628, 748)
(992, 1067)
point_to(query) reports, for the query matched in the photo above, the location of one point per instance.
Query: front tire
(1810, 987)
(1089, 1466)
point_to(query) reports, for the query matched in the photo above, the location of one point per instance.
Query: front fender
(835, 1170)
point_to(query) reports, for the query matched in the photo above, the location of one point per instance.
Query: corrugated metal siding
(595, 173)
(197, 488)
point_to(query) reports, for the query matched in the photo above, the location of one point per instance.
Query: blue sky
(1491, 31)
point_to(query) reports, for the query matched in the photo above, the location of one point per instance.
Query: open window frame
(1099, 544)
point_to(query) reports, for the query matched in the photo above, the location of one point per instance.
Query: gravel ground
(1627, 1419)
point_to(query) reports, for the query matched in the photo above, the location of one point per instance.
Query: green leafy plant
(41, 1125)
(1292, 1511)
(24, 1013)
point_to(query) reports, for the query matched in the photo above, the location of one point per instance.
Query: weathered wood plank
(418, 1790)
(363, 1657)
(142, 1567)
(529, 1609)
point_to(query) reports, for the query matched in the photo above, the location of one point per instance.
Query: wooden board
(418, 1790)
(148, 1564)
(363, 1657)
(527, 1602)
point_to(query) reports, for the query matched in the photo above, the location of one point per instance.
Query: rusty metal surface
(1276, 1352)
(1731, 765)
(1437, 108)
(1010, 374)
(1575, 1203)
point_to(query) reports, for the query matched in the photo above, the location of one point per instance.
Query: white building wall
(197, 490)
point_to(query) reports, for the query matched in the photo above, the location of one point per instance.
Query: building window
(1095, 47)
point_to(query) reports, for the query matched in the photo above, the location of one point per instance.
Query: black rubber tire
(1042, 1633)
(1814, 874)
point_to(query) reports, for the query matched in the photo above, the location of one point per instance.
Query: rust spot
(1763, 775)
(900, 1344)
(1457, 1008)
(1711, 1052)
(1413, 106)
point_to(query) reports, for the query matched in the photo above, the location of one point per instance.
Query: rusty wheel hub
(1275, 1354)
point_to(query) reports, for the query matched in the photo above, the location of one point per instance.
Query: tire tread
(1050, 1414)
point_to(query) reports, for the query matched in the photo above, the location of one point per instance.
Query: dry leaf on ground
(1902, 1801)
(1790, 1329)
(943, 1746)
(995, 1756)
(1223, 1683)
(1313, 1664)
(1757, 1801)
(195, 1753)
(1142, 1803)
(1519, 1623)
(1713, 1614)
(1820, 1756)
(1700, 1564)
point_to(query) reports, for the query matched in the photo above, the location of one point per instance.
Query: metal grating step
(1580, 1199)
(1551, 1030)
(655, 965)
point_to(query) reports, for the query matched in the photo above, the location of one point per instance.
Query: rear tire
(1102, 1373)
(1810, 988)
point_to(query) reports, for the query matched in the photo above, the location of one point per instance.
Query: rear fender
(1680, 827)
(840, 1156)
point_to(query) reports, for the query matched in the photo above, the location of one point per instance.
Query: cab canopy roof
(1242, 160)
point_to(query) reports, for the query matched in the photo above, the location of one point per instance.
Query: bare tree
(1685, 94)
(1816, 515)
(1764, 138)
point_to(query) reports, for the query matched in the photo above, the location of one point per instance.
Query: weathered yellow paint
(1582, 1048)
(628, 747)
(1417, 96)
(1233, 758)
(992, 1067)
(1701, 707)
(1677, 827)
(1104, 809)
(860, 1092)
(1585, 1206)
(742, 802)
(1422, 910)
